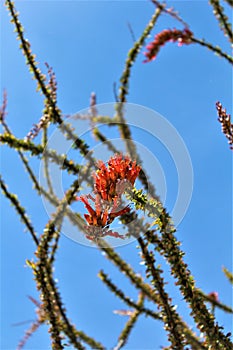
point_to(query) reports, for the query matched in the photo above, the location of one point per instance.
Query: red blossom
(97, 217)
(111, 181)
(108, 178)
(173, 35)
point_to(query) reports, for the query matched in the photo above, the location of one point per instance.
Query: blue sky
(86, 43)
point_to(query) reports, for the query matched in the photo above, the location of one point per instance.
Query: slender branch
(69, 329)
(33, 328)
(191, 337)
(76, 219)
(40, 78)
(58, 216)
(20, 209)
(23, 159)
(131, 58)
(39, 150)
(171, 319)
(123, 338)
(105, 119)
(131, 31)
(170, 12)
(44, 266)
(124, 87)
(168, 246)
(98, 134)
(228, 274)
(136, 280)
(230, 2)
(215, 49)
(118, 292)
(222, 19)
(42, 279)
(216, 303)
(124, 90)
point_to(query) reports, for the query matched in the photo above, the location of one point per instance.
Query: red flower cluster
(110, 183)
(173, 35)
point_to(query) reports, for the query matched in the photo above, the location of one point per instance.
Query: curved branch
(217, 50)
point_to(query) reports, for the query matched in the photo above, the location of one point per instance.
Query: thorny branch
(161, 237)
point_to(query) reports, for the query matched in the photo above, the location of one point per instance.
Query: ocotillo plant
(112, 199)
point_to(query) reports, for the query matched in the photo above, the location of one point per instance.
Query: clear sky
(86, 43)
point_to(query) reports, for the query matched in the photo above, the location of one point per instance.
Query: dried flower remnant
(47, 113)
(110, 183)
(93, 110)
(213, 299)
(41, 318)
(214, 296)
(173, 35)
(225, 120)
(124, 312)
(3, 107)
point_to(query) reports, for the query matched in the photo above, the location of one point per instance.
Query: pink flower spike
(113, 234)
(168, 35)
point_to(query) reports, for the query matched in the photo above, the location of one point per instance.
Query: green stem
(39, 150)
(20, 210)
(39, 77)
(222, 19)
(118, 292)
(171, 319)
(215, 49)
